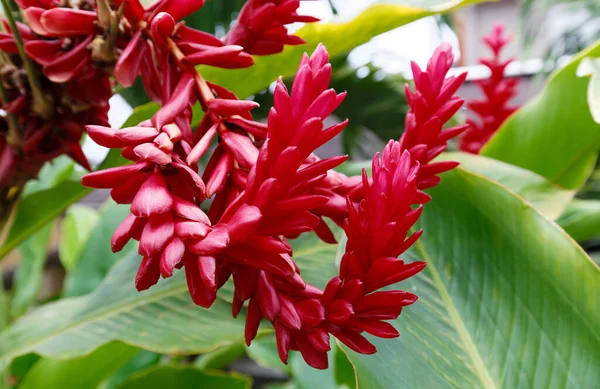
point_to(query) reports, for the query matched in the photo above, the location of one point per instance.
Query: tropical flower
(493, 109)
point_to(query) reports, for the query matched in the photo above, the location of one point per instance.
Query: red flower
(493, 109)
(260, 28)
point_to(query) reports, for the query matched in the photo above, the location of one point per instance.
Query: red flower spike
(260, 28)
(493, 109)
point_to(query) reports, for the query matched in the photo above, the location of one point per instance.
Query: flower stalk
(39, 104)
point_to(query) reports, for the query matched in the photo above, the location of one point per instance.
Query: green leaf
(591, 67)
(28, 276)
(263, 351)
(554, 134)
(162, 319)
(84, 372)
(96, 257)
(220, 358)
(4, 306)
(507, 300)
(141, 361)
(75, 231)
(161, 377)
(581, 219)
(547, 197)
(39, 209)
(54, 172)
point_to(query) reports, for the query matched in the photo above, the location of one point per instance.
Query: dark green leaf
(161, 377)
(79, 373)
(581, 219)
(141, 361)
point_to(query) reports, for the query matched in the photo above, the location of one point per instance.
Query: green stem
(40, 105)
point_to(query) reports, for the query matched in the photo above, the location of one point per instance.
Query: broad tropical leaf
(83, 372)
(163, 319)
(549, 198)
(507, 300)
(581, 219)
(554, 134)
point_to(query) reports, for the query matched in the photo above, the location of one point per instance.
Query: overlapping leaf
(554, 134)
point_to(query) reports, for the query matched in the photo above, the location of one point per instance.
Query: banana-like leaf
(507, 300)
(162, 319)
(554, 134)
(581, 219)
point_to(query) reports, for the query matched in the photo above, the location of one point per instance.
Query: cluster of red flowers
(493, 109)
(265, 182)
(56, 76)
(267, 185)
(49, 101)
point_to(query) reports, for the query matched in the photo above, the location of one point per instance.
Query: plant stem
(40, 105)
(14, 137)
(206, 94)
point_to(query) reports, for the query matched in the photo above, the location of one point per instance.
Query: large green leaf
(75, 231)
(581, 219)
(141, 361)
(554, 134)
(96, 257)
(508, 299)
(162, 377)
(79, 373)
(162, 319)
(549, 198)
(28, 276)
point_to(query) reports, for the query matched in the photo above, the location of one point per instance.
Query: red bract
(431, 106)
(260, 28)
(493, 109)
(279, 189)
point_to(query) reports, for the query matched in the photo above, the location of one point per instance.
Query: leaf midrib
(90, 319)
(468, 344)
